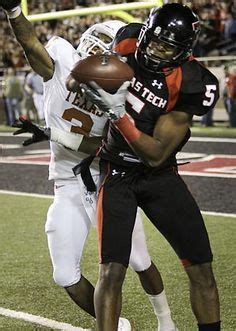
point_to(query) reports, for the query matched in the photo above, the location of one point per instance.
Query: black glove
(9, 4)
(39, 133)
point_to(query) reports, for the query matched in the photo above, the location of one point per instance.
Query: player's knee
(66, 277)
(201, 275)
(112, 275)
(139, 257)
(140, 262)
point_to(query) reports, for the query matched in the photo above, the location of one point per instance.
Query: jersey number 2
(85, 120)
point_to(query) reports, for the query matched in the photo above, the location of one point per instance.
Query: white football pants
(68, 222)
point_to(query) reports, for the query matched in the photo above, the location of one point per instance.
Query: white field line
(200, 139)
(39, 320)
(33, 195)
(213, 140)
(10, 134)
(213, 213)
(204, 174)
(10, 146)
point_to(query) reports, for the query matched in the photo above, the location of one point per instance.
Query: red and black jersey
(189, 88)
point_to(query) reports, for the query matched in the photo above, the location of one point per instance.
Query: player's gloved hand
(39, 133)
(112, 104)
(9, 4)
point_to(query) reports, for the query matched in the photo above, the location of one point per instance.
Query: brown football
(108, 71)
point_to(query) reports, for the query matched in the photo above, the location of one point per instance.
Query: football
(108, 71)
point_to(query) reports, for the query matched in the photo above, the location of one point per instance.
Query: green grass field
(219, 130)
(26, 283)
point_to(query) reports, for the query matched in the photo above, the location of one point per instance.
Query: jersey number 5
(210, 95)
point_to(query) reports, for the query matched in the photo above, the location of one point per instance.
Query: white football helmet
(98, 37)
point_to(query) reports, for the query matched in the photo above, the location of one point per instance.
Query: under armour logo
(155, 83)
(114, 172)
(157, 30)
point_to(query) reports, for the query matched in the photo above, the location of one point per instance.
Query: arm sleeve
(67, 139)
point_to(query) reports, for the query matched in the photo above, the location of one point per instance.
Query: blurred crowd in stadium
(218, 31)
(218, 35)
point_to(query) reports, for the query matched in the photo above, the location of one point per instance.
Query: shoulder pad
(126, 39)
(199, 89)
(195, 77)
(59, 49)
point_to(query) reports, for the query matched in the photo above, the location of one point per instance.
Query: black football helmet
(173, 28)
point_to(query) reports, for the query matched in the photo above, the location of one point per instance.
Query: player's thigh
(67, 225)
(89, 199)
(116, 212)
(173, 210)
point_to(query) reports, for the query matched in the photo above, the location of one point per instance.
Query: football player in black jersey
(149, 124)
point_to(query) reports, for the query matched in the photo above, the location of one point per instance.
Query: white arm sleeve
(67, 139)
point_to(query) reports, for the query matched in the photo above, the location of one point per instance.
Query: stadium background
(216, 47)
(25, 272)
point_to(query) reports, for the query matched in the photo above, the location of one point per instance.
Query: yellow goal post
(119, 10)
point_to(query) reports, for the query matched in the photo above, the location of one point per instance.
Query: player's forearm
(90, 145)
(149, 150)
(35, 52)
(74, 141)
(169, 132)
(23, 31)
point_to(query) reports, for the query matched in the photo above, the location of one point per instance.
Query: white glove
(112, 104)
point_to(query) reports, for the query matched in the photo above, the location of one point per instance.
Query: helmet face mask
(160, 50)
(168, 37)
(98, 38)
(93, 43)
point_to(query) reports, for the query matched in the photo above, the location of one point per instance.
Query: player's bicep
(39, 59)
(171, 129)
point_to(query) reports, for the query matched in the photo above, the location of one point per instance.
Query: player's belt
(83, 168)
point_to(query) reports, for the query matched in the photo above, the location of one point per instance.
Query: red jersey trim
(126, 46)
(186, 263)
(173, 82)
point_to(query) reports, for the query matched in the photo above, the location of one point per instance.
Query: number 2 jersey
(188, 88)
(67, 110)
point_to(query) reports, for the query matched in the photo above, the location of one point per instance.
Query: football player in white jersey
(72, 212)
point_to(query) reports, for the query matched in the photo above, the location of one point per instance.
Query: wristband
(67, 139)
(14, 12)
(127, 128)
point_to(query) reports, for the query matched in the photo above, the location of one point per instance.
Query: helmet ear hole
(173, 24)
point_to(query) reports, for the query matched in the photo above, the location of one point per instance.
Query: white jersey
(73, 210)
(66, 110)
